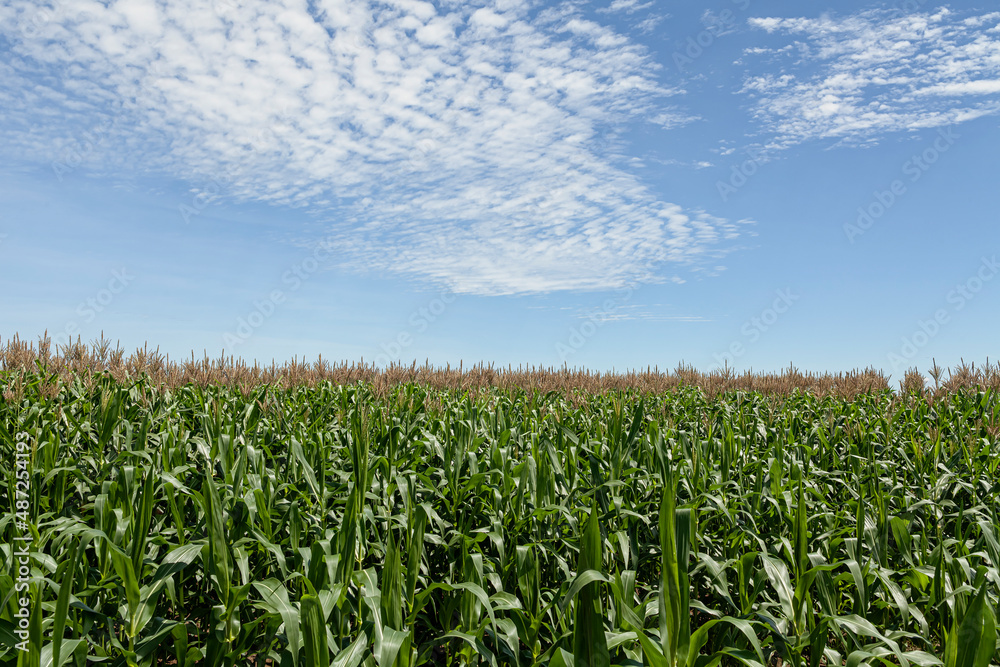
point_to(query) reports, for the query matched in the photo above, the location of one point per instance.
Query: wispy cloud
(630, 312)
(630, 7)
(855, 78)
(454, 143)
(649, 23)
(627, 6)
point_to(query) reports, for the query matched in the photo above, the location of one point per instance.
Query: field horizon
(100, 356)
(187, 516)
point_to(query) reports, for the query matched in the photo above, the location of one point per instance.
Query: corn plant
(400, 525)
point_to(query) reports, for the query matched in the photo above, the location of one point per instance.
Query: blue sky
(611, 184)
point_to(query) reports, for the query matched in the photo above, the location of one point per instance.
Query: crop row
(330, 525)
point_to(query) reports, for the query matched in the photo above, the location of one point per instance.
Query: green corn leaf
(353, 654)
(392, 586)
(685, 527)
(670, 602)
(562, 658)
(148, 596)
(509, 636)
(32, 658)
(157, 634)
(974, 642)
(393, 647)
(348, 538)
(580, 582)
(175, 561)
(306, 467)
(651, 652)
(475, 644)
(274, 599)
(142, 520)
(220, 562)
(62, 605)
(180, 635)
(314, 632)
(416, 524)
(590, 646)
(47, 656)
(123, 566)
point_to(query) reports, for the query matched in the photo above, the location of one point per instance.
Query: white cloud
(627, 6)
(980, 87)
(631, 7)
(631, 312)
(853, 79)
(649, 23)
(453, 143)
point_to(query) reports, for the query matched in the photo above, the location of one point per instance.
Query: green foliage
(332, 526)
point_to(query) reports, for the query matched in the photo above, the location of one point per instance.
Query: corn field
(333, 524)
